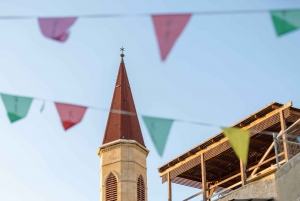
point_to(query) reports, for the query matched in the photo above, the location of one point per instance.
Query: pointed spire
(123, 125)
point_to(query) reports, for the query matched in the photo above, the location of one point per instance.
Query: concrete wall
(288, 180)
(263, 188)
(283, 185)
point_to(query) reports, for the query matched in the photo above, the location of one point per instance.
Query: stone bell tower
(123, 172)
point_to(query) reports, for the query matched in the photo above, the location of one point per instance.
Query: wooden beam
(295, 112)
(230, 182)
(230, 155)
(243, 173)
(226, 180)
(259, 141)
(169, 188)
(203, 173)
(195, 195)
(267, 163)
(234, 156)
(283, 128)
(264, 162)
(210, 191)
(190, 177)
(207, 190)
(257, 116)
(224, 161)
(210, 172)
(256, 150)
(263, 158)
(195, 169)
(230, 187)
(217, 167)
(242, 124)
(253, 158)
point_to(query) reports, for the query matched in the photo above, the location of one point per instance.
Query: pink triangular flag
(168, 28)
(56, 28)
(70, 115)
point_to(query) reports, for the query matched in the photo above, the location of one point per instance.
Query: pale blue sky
(221, 69)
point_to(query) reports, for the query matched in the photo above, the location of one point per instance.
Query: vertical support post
(203, 173)
(169, 188)
(284, 138)
(210, 191)
(207, 191)
(275, 148)
(243, 173)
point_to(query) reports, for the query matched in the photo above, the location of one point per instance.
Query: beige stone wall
(127, 160)
(288, 180)
(263, 188)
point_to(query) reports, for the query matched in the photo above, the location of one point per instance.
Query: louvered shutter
(140, 189)
(111, 188)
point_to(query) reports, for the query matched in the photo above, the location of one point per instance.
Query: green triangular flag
(285, 20)
(16, 106)
(159, 131)
(239, 140)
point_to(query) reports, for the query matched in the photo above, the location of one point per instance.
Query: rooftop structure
(213, 166)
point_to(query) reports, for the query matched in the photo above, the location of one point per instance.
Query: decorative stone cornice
(131, 161)
(122, 143)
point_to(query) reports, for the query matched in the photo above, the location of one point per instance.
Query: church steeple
(123, 171)
(122, 121)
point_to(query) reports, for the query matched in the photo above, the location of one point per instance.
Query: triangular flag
(16, 107)
(159, 131)
(239, 140)
(286, 20)
(298, 138)
(70, 115)
(56, 28)
(168, 28)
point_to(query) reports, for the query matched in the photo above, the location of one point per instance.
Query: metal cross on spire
(122, 49)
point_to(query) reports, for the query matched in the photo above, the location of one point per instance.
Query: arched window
(111, 188)
(140, 189)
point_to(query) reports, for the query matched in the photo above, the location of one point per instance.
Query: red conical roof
(119, 124)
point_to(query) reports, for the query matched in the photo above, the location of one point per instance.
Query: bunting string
(168, 26)
(117, 111)
(103, 109)
(226, 12)
(16, 97)
(159, 129)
